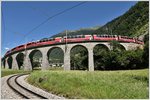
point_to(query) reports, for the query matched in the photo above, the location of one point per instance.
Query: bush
(145, 55)
(116, 60)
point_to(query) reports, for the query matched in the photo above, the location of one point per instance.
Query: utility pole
(25, 54)
(111, 31)
(107, 30)
(66, 42)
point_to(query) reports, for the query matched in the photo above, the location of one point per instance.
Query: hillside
(133, 23)
(78, 32)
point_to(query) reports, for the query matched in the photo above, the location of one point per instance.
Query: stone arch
(101, 45)
(55, 56)
(3, 63)
(121, 47)
(20, 60)
(99, 51)
(9, 61)
(36, 58)
(79, 58)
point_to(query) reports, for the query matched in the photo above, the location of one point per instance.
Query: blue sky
(21, 17)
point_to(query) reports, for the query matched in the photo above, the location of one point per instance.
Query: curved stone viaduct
(67, 66)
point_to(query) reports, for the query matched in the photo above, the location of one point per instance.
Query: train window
(21, 46)
(51, 39)
(28, 43)
(13, 48)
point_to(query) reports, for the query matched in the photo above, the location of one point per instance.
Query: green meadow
(127, 84)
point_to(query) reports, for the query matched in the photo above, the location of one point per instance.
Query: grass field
(94, 85)
(5, 72)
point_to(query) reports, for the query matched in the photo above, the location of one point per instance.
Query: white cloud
(6, 48)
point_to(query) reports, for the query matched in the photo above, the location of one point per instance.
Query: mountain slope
(81, 31)
(133, 23)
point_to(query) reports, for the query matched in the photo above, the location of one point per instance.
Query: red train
(77, 38)
(105, 37)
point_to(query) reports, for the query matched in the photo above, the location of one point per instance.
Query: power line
(3, 20)
(4, 25)
(38, 10)
(53, 17)
(14, 31)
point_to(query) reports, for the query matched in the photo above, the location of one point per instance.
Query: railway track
(21, 90)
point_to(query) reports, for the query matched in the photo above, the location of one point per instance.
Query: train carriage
(105, 37)
(77, 38)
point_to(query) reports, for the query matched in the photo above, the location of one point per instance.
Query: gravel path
(8, 93)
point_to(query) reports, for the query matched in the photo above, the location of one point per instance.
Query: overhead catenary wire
(59, 13)
(3, 20)
(4, 25)
(38, 10)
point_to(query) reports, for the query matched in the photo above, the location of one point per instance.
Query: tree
(115, 46)
(145, 55)
(79, 58)
(100, 51)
